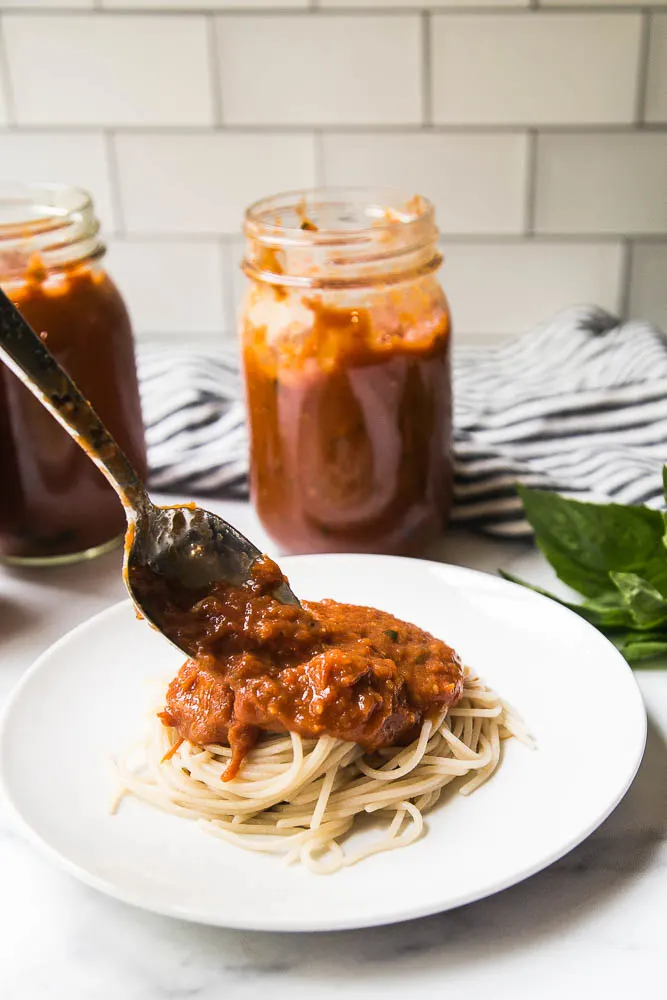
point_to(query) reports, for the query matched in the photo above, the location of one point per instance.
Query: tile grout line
(531, 182)
(215, 82)
(641, 82)
(226, 290)
(455, 9)
(426, 69)
(320, 169)
(6, 80)
(114, 183)
(626, 278)
(179, 129)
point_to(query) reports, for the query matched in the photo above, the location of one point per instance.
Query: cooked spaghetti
(298, 797)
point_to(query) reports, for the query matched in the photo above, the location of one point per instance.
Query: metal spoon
(184, 545)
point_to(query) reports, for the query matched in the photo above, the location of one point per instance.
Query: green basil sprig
(615, 556)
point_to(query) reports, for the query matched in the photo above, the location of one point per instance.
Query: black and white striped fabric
(578, 406)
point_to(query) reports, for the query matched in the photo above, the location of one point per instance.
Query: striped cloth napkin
(578, 406)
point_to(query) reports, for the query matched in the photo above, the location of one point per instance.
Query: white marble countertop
(594, 924)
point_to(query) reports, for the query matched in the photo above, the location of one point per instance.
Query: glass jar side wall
(56, 506)
(349, 402)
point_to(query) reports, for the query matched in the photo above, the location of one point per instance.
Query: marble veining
(593, 924)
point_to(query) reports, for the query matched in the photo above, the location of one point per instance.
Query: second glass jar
(346, 344)
(55, 506)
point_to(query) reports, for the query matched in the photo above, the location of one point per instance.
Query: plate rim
(179, 912)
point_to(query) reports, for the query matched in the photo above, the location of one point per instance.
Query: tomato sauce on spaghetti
(322, 667)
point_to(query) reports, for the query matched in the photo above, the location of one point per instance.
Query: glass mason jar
(346, 346)
(55, 505)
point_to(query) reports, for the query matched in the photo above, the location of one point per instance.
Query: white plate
(86, 699)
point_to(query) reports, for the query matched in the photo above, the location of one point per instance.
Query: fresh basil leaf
(639, 651)
(664, 481)
(608, 611)
(646, 604)
(634, 635)
(585, 541)
(637, 646)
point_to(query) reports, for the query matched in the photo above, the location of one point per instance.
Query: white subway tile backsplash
(648, 287)
(201, 183)
(477, 182)
(656, 82)
(535, 68)
(170, 287)
(77, 158)
(100, 69)
(320, 69)
(505, 288)
(335, 92)
(602, 183)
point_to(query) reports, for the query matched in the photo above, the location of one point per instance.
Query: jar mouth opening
(337, 238)
(55, 223)
(338, 217)
(38, 207)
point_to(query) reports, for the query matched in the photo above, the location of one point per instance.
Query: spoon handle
(27, 356)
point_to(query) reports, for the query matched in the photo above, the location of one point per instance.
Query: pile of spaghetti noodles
(298, 797)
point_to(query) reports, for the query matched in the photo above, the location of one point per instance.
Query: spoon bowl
(190, 548)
